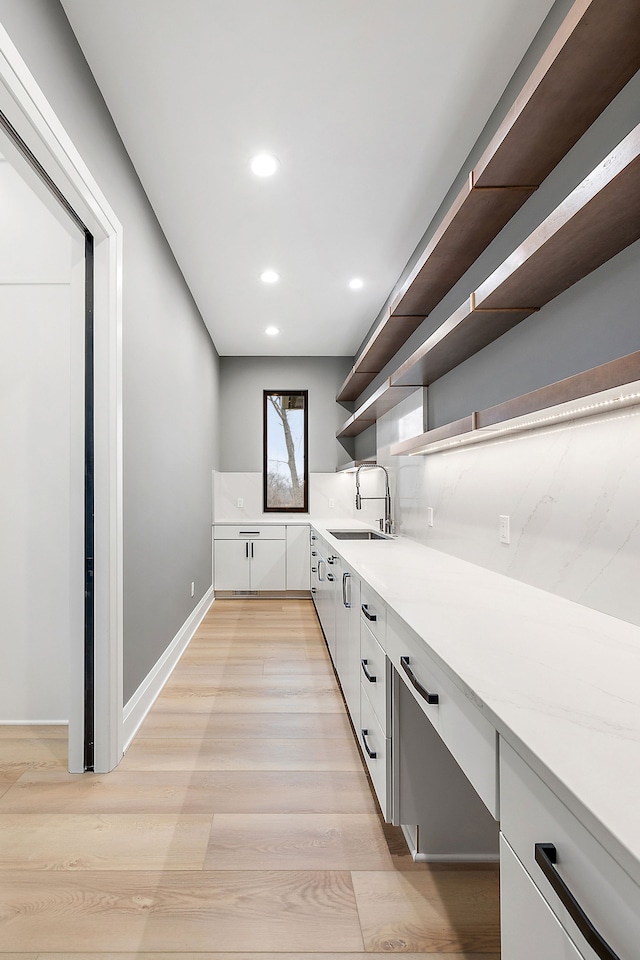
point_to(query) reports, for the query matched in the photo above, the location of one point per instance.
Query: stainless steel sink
(357, 535)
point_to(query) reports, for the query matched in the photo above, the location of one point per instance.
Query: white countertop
(559, 681)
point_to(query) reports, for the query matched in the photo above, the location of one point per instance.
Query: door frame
(28, 111)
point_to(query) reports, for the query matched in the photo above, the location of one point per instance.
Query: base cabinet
(530, 929)
(250, 559)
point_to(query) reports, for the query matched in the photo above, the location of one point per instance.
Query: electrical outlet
(239, 502)
(504, 532)
(193, 588)
(429, 516)
(332, 503)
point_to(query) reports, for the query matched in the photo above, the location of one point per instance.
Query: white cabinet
(249, 558)
(467, 733)
(529, 928)
(348, 638)
(583, 872)
(298, 557)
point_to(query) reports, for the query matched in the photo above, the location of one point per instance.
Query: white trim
(418, 857)
(143, 699)
(31, 115)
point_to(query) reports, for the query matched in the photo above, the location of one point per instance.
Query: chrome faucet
(386, 525)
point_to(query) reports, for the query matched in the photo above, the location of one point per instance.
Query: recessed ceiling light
(269, 276)
(272, 331)
(264, 164)
(356, 283)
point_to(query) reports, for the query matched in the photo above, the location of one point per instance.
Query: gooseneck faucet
(386, 525)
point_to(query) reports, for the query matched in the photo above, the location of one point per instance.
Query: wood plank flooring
(240, 822)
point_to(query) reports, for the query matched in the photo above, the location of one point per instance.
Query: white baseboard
(136, 709)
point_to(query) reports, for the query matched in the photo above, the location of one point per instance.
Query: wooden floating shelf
(597, 220)
(353, 465)
(594, 53)
(458, 338)
(601, 385)
(380, 402)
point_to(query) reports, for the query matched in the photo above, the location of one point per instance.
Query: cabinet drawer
(373, 675)
(373, 741)
(463, 727)
(531, 814)
(529, 928)
(249, 531)
(373, 612)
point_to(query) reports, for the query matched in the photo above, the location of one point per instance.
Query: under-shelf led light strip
(489, 433)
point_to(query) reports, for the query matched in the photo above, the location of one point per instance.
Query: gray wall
(242, 380)
(170, 365)
(594, 321)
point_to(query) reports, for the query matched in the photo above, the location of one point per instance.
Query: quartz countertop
(559, 681)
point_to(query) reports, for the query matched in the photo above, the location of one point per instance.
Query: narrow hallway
(239, 821)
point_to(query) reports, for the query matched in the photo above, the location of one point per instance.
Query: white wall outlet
(429, 516)
(239, 502)
(332, 503)
(193, 588)
(503, 528)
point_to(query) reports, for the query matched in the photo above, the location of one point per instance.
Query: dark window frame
(287, 393)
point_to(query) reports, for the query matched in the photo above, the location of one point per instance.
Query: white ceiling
(371, 107)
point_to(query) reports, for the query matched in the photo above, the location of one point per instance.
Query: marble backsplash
(330, 495)
(570, 492)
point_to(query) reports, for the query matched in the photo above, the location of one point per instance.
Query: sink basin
(357, 535)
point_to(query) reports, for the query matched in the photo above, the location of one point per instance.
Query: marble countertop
(558, 680)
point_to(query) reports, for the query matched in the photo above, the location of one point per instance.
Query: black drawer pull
(313, 589)
(371, 753)
(546, 856)
(424, 693)
(314, 553)
(368, 675)
(369, 616)
(330, 576)
(249, 533)
(314, 569)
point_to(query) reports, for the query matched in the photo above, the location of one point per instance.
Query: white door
(232, 564)
(268, 564)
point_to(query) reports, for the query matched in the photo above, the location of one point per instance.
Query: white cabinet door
(298, 557)
(529, 928)
(267, 564)
(348, 640)
(232, 565)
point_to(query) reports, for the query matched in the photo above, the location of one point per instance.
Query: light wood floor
(239, 822)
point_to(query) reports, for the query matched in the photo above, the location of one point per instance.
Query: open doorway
(40, 149)
(46, 417)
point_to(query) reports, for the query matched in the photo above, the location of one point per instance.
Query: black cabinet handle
(252, 549)
(314, 553)
(314, 569)
(369, 616)
(246, 549)
(330, 576)
(371, 753)
(331, 560)
(313, 589)
(546, 856)
(424, 693)
(368, 675)
(313, 536)
(249, 533)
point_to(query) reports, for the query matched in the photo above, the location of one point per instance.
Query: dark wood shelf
(383, 400)
(592, 383)
(384, 343)
(596, 221)
(594, 53)
(458, 338)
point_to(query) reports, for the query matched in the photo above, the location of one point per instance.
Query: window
(285, 472)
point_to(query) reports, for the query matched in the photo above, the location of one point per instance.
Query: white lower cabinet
(376, 748)
(347, 638)
(249, 558)
(298, 557)
(584, 874)
(529, 928)
(464, 729)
